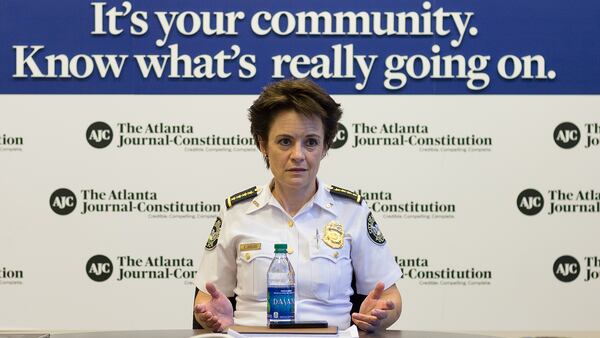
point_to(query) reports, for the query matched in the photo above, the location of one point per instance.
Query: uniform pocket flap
(249, 256)
(324, 251)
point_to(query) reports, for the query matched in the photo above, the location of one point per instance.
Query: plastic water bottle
(281, 287)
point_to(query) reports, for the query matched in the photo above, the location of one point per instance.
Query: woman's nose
(297, 152)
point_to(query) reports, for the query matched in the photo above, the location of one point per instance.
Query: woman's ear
(262, 146)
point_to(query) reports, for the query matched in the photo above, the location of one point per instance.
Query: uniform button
(247, 256)
(336, 254)
(255, 203)
(290, 251)
(290, 223)
(329, 205)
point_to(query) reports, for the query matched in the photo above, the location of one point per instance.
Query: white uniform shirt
(237, 265)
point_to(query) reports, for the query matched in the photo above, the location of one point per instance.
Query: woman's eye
(285, 142)
(312, 142)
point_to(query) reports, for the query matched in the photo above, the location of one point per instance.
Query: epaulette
(345, 193)
(241, 196)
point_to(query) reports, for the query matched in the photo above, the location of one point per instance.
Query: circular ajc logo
(566, 135)
(340, 137)
(63, 201)
(566, 268)
(99, 268)
(530, 202)
(99, 135)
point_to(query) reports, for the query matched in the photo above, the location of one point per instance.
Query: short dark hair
(301, 95)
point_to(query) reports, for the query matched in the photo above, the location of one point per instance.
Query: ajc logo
(341, 137)
(99, 268)
(530, 202)
(566, 135)
(99, 135)
(566, 268)
(63, 201)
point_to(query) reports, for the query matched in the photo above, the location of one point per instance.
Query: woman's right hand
(214, 312)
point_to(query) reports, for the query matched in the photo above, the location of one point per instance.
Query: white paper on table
(351, 332)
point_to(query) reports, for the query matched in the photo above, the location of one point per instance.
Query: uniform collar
(261, 200)
(322, 198)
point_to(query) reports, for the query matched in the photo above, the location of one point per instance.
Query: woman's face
(295, 148)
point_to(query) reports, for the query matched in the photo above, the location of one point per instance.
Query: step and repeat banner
(471, 127)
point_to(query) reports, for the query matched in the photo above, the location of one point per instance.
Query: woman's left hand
(375, 309)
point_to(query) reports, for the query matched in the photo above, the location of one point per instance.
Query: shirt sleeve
(372, 259)
(217, 264)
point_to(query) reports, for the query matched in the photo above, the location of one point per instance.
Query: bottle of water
(281, 287)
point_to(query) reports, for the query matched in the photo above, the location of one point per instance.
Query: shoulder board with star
(345, 193)
(241, 196)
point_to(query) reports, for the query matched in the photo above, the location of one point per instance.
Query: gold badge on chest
(333, 235)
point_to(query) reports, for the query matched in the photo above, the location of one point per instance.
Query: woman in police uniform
(330, 231)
